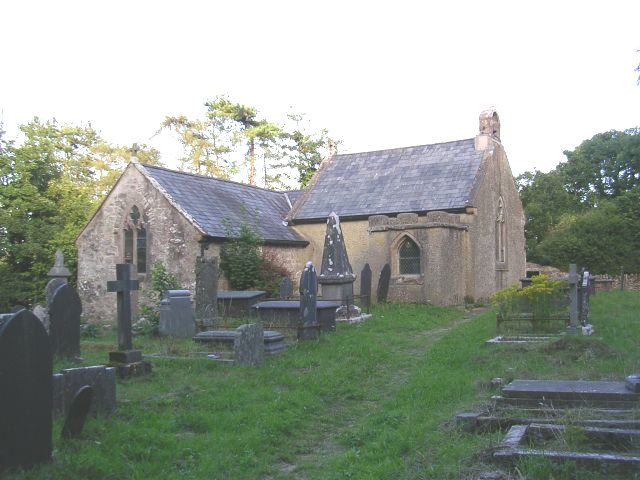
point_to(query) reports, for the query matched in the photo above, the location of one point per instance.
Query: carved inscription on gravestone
(25, 391)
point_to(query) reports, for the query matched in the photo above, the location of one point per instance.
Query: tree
(249, 130)
(51, 184)
(604, 166)
(586, 210)
(304, 151)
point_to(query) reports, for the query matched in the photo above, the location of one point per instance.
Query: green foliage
(231, 130)
(540, 298)
(240, 257)
(51, 183)
(585, 211)
(161, 280)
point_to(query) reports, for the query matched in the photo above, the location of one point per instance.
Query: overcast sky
(375, 74)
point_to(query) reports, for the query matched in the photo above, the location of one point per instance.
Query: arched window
(409, 257)
(500, 233)
(135, 240)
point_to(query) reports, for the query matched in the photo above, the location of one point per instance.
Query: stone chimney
(489, 132)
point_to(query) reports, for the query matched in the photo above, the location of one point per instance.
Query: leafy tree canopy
(586, 211)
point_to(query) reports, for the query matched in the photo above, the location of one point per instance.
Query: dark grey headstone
(176, 315)
(286, 288)
(206, 295)
(365, 286)
(64, 319)
(248, 345)
(25, 391)
(123, 286)
(308, 297)
(383, 283)
(77, 412)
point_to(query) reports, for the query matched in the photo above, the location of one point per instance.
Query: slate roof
(209, 200)
(411, 179)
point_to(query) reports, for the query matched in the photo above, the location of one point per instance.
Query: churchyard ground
(371, 401)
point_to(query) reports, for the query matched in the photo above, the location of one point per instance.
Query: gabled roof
(411, 179)
(207, 201)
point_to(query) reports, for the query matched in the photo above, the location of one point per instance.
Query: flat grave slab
(569, 393)
(238, 303)
(223, 339)
(285, 315)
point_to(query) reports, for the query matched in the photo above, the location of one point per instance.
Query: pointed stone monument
(336, 275)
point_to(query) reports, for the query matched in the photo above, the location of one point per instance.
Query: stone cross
(573, 296)
(123, 286)
(308, 293)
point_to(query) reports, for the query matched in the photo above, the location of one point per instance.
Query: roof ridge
(214, 178)
(404, 148)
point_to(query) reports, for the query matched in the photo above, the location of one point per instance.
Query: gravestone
(127, 361)
(25, 391)
(585, 292)
(42, 313)
(248, 345)
(206, 295)
(123, 286)
(176, 315)
(59, 274)
(308, 296)
(64, 320)
(238, 303)
(286, 288)
(77, 412)
(383, 283)
(336, 275)
(365, 286)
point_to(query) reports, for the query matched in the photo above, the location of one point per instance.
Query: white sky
(375, 74)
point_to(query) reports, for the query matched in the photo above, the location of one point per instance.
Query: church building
(445, 217)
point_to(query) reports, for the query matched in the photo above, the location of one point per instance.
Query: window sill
(408, 279)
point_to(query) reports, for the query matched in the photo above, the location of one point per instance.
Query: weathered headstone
(248, 345)
(585, 292)
(123, 286)
(25, 391)
(51, 288)
(64, 317)
(176, 315)
(206, 295)
(286, 288)
(383, 283)
(336, 275)
(365, 286)
(77, 412)
(308, 296)
(42, 313)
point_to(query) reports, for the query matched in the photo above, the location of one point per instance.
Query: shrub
(161, 280)
(542, 298)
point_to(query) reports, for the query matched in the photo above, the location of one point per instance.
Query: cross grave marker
(123, 286)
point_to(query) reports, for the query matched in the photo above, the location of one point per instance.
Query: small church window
(135, 240)
(409, 257)
(500, 233)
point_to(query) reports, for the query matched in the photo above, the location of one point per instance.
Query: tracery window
(409, 257)
(135, 240)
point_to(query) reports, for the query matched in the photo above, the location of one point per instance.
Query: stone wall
(613, 282)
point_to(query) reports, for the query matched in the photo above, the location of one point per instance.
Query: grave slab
(285, 315)
(222, 340)
(238, 303)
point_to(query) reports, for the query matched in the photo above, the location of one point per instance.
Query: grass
(371, 401)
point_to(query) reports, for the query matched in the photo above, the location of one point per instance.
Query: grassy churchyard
(371, 401)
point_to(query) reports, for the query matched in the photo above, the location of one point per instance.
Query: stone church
(446, 217)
